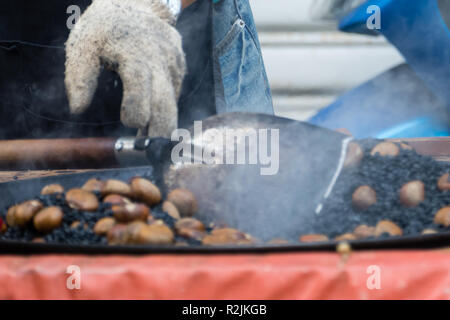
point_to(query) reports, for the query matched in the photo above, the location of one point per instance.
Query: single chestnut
(75, 224)
(133, 230)
(189, 223)
(185, 202)
(154, 234)
(406, 146)
(444, 182)
(363, 198)
(145, 191)
(25, 212)
(48, 219)
(442, 217)
(227, 236)
(117, 235)
(131, 212)
(412, 193)
(429, 231)
(191, 234)
(354, 156)
(52, 189)
(169, 208)
(82, 200)
(116, 199)
(11, 216)
(345, 237)
(388, 227)
(363, 231)
(113, 186)
(313, 238)
(93, 185)
(385, 149)
(103, 226)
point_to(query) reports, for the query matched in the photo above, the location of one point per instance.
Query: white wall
(309, 63)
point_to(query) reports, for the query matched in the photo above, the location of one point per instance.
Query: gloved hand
(137, 39)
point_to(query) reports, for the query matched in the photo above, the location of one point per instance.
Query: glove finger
(164, 116)
(82, 71)
(136, 79)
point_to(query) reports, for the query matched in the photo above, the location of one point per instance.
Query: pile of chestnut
(132, 221)
(410, 195)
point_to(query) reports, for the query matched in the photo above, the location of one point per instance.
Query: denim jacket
(239, 74)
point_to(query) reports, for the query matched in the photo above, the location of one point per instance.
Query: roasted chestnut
(103, 226)
(185, 202)
(131, 212)
(442, 217)
(345, 237)
(363, 198)
(354, 156)
(48, 219)
(388, 227)
(113, 186)
(189, 223)
(116, 199)
(406, 146)
(412, 194)
(117, 234)
(313, 238)
(93, 185)
(25, 212)
(52, 189)
(11, 216)
(145, 191)
(227, 236)
(444, 182)
(171, 210)
(191, 234)
(386, 149)
(155, 234)
(429, 231)
(363, 231)
(80, 199)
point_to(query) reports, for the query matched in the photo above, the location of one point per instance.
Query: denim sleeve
(240, 78)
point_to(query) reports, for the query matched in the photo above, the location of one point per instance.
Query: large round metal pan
(17, 191)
